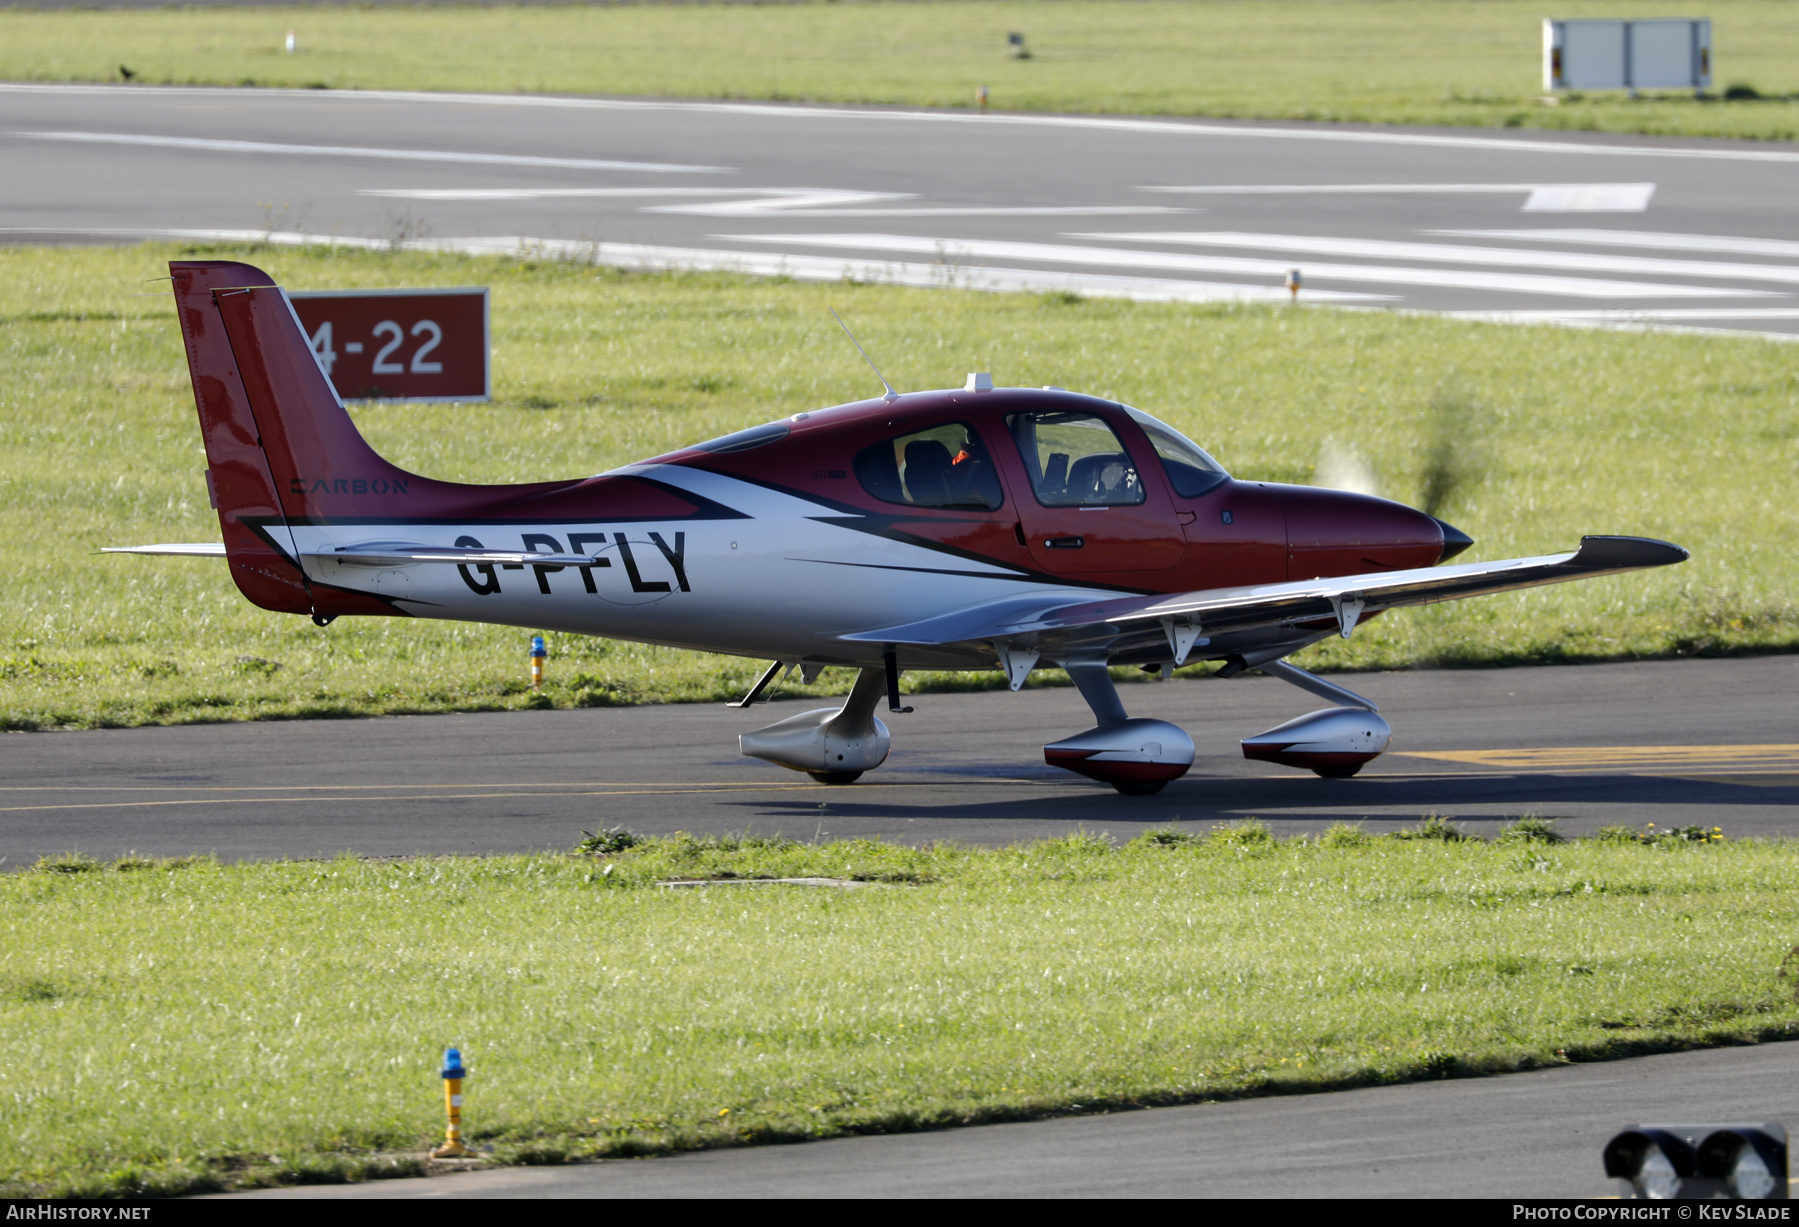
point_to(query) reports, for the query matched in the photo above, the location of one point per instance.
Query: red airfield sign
(412, 345)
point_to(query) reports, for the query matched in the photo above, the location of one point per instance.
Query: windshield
(1190, 471)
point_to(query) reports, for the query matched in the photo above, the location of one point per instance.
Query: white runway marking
(800, 268)
(783, 201)
(1590, 198)
(931, 211)
(991, 119)
(1576, 261)
(1629, 315)
(969, 250)
(355, 151)
(560, 193)
(1642, 238)
(1637, 321)
(1543, 197)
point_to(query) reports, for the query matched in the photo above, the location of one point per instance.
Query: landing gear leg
(856, 723)
(1136, 757)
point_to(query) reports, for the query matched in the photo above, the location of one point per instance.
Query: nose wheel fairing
(1334, 742)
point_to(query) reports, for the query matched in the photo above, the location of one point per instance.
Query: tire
(1139, 788)
(835, 777)
(1338, 773)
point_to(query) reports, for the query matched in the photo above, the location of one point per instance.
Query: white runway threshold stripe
(966, 251)
(1456, 253)
(937, 276)
(208, 145)
(1540, 198)
(799, 267)
(1721, 243)
(1625, 315)
(776, 201)
(1674, 320)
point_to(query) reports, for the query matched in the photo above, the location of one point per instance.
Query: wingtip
(1602, 553)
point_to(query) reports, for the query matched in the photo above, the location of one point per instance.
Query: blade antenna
(890, 394)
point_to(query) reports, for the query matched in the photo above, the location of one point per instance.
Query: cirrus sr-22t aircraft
(971, 528)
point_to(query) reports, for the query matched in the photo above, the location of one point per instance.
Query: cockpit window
(1075, 460)
(1190, 471)
(945, 466)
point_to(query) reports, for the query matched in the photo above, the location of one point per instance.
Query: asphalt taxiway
(1676, 743)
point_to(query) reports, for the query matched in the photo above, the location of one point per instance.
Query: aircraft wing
(1341, 599)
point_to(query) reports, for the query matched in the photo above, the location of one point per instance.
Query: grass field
(1464, 62)
(177, 1027)
(1556, 432)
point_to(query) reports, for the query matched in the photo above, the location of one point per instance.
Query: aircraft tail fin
(280, 447)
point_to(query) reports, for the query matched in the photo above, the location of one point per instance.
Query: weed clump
(1250, 833)
(1436, 826)
(29, 989)
(608, 842)
(1690, 835)
(1172, 836)
(1345, 835)
(1531, 829)
(1668, 837)
(67, 862)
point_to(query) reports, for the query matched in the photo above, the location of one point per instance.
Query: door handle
(1065, 543)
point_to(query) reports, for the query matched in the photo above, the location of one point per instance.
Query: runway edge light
(1700, 1162)
(538, 652)
(453, 1073)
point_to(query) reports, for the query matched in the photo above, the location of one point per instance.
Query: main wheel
(1340, 772)
(1139, 788)
(835, 777)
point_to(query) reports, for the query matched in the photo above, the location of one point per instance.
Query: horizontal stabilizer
(399, 554)
(388, 554)
(190, 549)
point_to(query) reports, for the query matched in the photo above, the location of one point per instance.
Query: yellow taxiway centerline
(1598, 756)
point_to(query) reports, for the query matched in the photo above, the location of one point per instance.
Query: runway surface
(1590, 230)
(1537, 1134)
(1674, 743)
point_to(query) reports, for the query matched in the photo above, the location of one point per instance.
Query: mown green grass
(1463, 62)
(173, 1027)
(1555, 433)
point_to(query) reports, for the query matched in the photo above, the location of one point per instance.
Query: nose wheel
(835, 777)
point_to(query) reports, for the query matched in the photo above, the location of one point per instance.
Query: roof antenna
(890, 395)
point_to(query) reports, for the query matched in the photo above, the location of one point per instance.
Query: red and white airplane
(970, 528)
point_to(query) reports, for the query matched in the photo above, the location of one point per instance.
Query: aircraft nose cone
(1454, 540)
